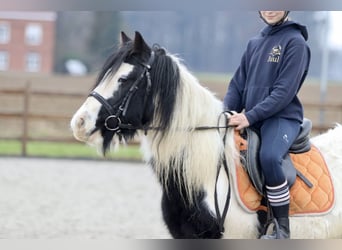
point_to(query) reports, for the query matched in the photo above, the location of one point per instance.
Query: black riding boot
(281, 229)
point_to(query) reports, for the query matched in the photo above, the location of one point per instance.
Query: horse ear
(139, 44)
(125, 38)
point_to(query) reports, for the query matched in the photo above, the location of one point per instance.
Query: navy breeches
(276, 135)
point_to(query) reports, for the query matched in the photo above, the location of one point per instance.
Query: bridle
(113, 121)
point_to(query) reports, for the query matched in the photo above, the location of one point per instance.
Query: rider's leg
(277, 136)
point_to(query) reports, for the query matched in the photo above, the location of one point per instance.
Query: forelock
(114, 61)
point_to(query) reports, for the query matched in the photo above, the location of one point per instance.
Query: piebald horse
(147, 92)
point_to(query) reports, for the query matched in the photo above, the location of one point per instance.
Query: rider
(264, 91)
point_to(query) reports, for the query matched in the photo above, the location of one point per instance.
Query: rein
(199, 128)
(222, 216)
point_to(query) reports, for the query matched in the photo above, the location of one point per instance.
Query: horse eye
(122, 79)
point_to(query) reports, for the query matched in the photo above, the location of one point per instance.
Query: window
(33, 34)
(33, 62)
(4, 60)
(5, 33)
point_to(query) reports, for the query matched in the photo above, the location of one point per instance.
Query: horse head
(126, 95)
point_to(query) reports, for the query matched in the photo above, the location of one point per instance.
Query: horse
(146, 92)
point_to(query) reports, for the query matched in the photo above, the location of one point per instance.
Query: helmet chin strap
(281, 21)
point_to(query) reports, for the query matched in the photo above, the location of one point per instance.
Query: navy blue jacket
(270, 74)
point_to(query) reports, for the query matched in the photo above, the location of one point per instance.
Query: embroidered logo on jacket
(274, 54)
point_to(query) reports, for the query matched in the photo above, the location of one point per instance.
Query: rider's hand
(239, 120)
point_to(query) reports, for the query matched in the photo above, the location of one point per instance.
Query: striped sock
(278, 195)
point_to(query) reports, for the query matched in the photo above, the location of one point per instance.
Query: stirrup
(277, 233)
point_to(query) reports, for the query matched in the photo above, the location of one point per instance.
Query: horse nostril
(81, 122)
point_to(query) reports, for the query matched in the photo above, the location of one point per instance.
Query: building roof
(29, 15)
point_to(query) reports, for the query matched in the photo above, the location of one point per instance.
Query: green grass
(67, 150)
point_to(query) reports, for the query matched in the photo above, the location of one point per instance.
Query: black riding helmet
(280, 21)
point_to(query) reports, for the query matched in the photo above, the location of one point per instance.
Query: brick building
(27, 41)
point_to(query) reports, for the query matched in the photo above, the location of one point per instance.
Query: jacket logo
(274, 55)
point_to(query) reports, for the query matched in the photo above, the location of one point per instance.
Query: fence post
(24, 137)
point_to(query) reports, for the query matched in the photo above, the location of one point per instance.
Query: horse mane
(165, 77)
(179, 153)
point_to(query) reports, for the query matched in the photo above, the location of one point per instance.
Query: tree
(104, 36)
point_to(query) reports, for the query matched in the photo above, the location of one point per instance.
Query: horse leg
(188, 221)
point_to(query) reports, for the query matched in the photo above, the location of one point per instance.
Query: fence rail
(26, 115)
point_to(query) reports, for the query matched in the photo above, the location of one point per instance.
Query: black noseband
(103, 101)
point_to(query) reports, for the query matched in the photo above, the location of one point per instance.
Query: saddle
(301, 145)
(309, 179)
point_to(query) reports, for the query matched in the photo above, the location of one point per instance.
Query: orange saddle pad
(304, 200)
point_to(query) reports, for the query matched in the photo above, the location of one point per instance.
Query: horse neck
(190, 157)
(197, 105)
(194, 106)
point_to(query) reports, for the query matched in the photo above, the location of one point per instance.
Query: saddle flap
(302, 143)
(252, 160)
(289, 170)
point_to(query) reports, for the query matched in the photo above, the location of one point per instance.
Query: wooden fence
(26, 115)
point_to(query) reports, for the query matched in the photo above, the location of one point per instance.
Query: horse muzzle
(82, 126)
